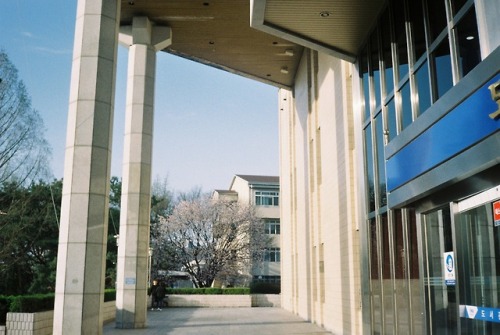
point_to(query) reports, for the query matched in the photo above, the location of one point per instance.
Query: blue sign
(480, 313)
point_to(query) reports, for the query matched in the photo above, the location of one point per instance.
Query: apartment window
(272, 255)
(272, 226)
(267, 198)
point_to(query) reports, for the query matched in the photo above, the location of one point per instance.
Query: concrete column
(84, 212)
(143, 39)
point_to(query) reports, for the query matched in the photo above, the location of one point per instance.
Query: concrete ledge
(201, 300)
(41, 323)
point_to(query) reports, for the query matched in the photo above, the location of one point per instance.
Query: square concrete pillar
(84, 210)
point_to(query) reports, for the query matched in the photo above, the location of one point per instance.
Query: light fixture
(289, 52)
(131, 2)
(325, 13)
(284, 70)
(469, 38)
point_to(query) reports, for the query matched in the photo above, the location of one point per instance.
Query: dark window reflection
(417, 20)
(369, 169)
(363, 65)
(468, 42)
(406, 105)
(424, 90)
(375, 67)
(442, 66)
(456, 5)
(387, 52)
(400, 31)
(391, 119)
(437, 17)
(373, 250)
(379, 136)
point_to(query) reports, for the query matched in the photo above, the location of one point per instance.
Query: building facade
(263, 192)
(389, 155)
(390, 176)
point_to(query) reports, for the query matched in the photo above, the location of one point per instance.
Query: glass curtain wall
(418, 50)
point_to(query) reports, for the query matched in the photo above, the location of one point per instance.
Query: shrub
(265, 288)
(32, 303)
(109, 294)
(4, 308)
(208, 290)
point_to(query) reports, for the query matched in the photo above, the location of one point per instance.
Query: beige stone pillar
(143, 41)
(84, 211)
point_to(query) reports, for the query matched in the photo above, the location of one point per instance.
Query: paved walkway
(222, 321)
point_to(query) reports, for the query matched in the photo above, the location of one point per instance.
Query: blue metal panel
(465, 125)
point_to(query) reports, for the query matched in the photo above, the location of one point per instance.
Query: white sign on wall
(449, 268)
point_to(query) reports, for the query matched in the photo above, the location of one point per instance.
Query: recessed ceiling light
(284, 70)
(131, 3)
(469, 38)
(325, 13)
(289, 52)
(211, 42)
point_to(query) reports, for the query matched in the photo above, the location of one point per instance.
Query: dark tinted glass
(379, 136)
(406, 104)
(369, 169)
(400, 31)
(375, 68)
(456, 5)
(423, 86)
(417, 23)
(437, 17)
(391, 119)
(386, 52)
(442, 65)
(469, 54)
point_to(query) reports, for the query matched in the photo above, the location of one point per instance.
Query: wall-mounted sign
(496, 213)
(449, 268)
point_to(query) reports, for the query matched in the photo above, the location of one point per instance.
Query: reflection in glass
(406, 105)
(456, 5)
(379, 136)
(387, 285)
(369, 169)
(442, 66)
(375, 68)
(437, 17)
(401, 289)
(400, 31)
(417, 20)
(391, 119)
(374, 279)
(363, 67)
(424, 90)
(469, 54)
(387, 53)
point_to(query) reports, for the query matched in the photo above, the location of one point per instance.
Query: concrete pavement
(222, 321)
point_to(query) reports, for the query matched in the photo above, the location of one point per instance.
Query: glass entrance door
(478, 264)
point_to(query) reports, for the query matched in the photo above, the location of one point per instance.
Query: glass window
(266, 198)
(365, 78)
(423, 87)
(469, 54)
(379, 133)
(272, 226)
(406, 105)
(442, 66)
(272, 255)
(456, 5)
(391, 119)
(417, 21)
(375, 68)
(387, 52)
(376, 290)
(386, 276)
(400, 31)
(437, 17)
(369, 169)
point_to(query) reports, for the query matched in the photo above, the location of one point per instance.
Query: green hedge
(209, 290)
(265, 288)
(35, 303)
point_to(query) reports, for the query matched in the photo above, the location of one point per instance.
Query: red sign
(496, 211)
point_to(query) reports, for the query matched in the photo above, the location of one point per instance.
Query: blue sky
(209, 124)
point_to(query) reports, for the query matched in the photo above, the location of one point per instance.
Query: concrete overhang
(260, 39)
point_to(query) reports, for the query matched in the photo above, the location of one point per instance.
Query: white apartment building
(263, 193)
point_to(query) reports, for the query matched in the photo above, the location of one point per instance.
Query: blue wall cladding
(461, 128)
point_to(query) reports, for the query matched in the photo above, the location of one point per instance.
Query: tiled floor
(222, 321)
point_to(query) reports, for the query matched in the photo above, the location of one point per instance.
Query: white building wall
(320, 247)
